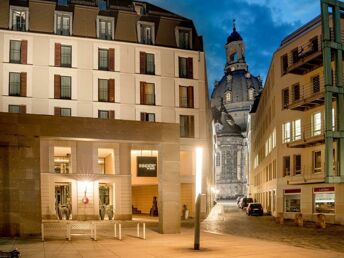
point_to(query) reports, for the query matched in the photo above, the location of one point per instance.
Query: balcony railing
(305, 57)
(310, 135)
(310, 175)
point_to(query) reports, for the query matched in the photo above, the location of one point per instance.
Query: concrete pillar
(85, 164)
(169, 188)
(124, 159)
(123, 187)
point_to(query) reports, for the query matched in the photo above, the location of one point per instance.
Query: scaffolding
(332, 9)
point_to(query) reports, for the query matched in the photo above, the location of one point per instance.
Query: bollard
(120, 231)
(138, 230)
(144, 231)
(298, 220)
(321, 221)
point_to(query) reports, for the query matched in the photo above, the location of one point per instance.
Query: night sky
(261, 23)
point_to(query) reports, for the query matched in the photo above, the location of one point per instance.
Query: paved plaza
(228, 234)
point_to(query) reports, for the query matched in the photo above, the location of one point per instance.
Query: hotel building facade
(289, 124)
(102, 105)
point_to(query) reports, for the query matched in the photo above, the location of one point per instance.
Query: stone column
(123, 191)
(169, 188)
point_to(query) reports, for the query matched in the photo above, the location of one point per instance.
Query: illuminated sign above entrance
(146, 166)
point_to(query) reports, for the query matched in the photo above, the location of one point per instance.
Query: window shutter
(112, 59)
(111, 114)
(22, 109)
(57, 54)
(191, 126)
(190, 68)
(57, 111)
(111, 90)
(143, 116)
(190, 97)
(23, 51)
(142, 62)
(142, 93)
(57, 86)
(23, 84)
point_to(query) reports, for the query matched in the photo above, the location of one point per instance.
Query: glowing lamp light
(199, 161)
(83, 185)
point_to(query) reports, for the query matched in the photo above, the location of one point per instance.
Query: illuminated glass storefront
(324, 200)
(292, 200)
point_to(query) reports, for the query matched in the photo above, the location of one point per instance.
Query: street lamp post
(199, 160)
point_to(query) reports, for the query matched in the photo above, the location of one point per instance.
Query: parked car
(244, 202)
(254, 208)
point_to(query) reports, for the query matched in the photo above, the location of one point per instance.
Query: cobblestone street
(234, 221)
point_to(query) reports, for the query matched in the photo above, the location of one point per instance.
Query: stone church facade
(231, 101)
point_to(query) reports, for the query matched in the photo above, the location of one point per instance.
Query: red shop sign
(324, 189)
(292, 191)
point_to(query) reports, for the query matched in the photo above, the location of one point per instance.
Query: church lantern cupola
(235, 52)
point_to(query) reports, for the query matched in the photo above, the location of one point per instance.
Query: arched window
(234, 57)
(251, 93)
(228, 96)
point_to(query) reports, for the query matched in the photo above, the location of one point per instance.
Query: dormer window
(146, 33)
(63, 23)
(184, 37)
(228, 96)
(140, 9)
(19, 18)
(251, 94)
(105, 27)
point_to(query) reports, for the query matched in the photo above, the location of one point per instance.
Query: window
(106, 114)
(286, 132)
(316, 161)
(104, 189)
(286, 166)
(228, 96)
(15, 51)
(62, 2)
(297, 130)
(184, 38)
(274, 138)
(146, 33)
(66, 56)
(140, 9)
(186, 96)
(63, 23)
(62, 160)
(218, 159)
(316, 124)
(106, 90)
(16, 108)
(296, 92)
(147, 117)
(58, 111)
(295, 55)
(105, 28)
(185, 67)
(284, 64)
(316, 84)
(147, 93)
(14, 87)
(147, 63)
(66, 87)
(324, 202)
(292, 202)
(103, 59)
(333, 119)
(19, 17)
(297, 165)
(285, 98)
(251, 94)
(187, 126)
